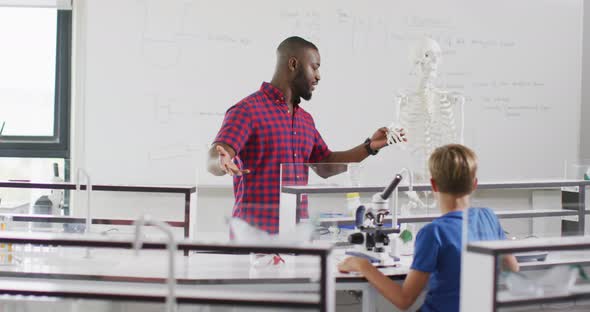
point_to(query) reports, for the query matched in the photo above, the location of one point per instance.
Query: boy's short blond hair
(453, 168)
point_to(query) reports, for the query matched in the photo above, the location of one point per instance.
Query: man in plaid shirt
(269, 128)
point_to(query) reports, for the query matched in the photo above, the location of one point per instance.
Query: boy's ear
(474, 184)
(433, 184)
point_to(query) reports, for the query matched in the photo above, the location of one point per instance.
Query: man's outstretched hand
(226, 164)
(385, 136)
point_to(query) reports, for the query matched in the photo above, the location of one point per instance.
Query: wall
(134, 96)
(585, 112)
(159, 76)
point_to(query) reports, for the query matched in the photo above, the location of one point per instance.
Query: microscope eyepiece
(391, 187)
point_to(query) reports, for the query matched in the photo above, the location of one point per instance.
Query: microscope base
(378, 258)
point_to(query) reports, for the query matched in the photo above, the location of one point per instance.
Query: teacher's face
(307, 74)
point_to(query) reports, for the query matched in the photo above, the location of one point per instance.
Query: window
(35, 82)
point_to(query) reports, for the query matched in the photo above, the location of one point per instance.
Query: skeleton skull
(427, 56)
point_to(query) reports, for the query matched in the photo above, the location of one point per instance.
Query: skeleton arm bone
(456, 103)
(458, 100)
(394, 129)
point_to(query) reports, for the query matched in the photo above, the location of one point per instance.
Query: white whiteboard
(159, 75)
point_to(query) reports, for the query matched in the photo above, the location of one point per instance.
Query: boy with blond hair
(437, 256)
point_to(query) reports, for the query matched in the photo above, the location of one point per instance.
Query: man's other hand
(226, 164)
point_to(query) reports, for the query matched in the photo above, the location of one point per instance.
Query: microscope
(372, 233)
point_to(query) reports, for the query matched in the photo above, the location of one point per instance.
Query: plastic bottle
(6, 251)
(353, 201)
(394, 246)
(406, 239)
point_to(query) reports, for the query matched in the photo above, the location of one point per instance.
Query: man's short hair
(293, 45)
(453, 168)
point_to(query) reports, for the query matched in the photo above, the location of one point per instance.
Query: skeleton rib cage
(429, 121)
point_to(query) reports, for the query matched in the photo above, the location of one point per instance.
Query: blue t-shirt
(438, 251)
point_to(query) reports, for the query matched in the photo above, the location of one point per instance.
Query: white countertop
(114, 264)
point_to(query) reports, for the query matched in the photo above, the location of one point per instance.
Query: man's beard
(301, 86)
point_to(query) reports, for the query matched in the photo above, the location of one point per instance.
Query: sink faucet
(81, 172)
(410, 174)
(172, 248)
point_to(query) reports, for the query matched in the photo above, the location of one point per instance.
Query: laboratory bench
(226, 269)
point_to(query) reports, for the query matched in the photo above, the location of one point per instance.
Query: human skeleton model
(427, 115)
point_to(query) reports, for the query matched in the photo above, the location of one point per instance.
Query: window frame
(57, 145)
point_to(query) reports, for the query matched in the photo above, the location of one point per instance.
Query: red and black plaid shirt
(264, 136)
